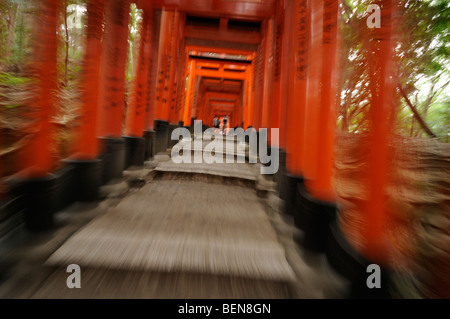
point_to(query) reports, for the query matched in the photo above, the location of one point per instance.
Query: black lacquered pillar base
(37, 198)
(354, 267)
(66, 192)
(162, 135)
(279, 177)
(291, 181)
(171, 143)
(86, 179)
(134, 151)
(191, 127)
(150, 141)
(313, 216)
(113, 158)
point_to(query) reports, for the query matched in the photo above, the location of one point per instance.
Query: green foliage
(439, 120)
(15, 33)
(7, 79)
(133, 40)
(422, 65)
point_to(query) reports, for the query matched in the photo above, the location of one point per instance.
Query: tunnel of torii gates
(264, 64)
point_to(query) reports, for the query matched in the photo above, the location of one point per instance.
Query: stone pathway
(175, 231)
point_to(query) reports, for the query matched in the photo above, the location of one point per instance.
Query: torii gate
(288, 70)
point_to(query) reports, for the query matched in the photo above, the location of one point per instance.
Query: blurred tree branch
(415, 112)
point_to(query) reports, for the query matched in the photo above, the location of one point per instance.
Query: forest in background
(17, 20)
(422, 68)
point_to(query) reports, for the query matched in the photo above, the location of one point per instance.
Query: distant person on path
(216, 122)
(225, 120)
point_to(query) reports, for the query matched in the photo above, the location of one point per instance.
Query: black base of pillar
(257, 142)
(38, 199)
(87, 179)
(353, 266)
(313, 216)
(113, 158)
(11, 212)
(65, 186)
(162, 135)
(291, 182)
(279, 176)
(171, 143)
(150, 138)
(134, 151)
(191, 127)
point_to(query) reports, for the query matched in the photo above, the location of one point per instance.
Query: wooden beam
(222, 45)
(221, 75)
(223, 36)
(249, 10)
(214, 49)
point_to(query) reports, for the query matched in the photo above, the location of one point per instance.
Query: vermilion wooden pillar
(381, 86)
(251, 93)
(153, 74)
(134, 131)
(239, 108)
(201, 104)
(187, 114)
(167, 21)
(181, 81)
(276, 112)
(267, 74)
(196, 96)
(135, 119)
(285, 18)
(312, 111)
(281, 91)
(150, 83)
(164, 76)
(275, 104)
(348, 260)
(37, 158)
(246, 99)
(171, 70)
(179, 73)
(316, 196)
(297, 98)
(298, 17)
(37, 186)
(84, 160)
(321, 184)
(86, 146)
(113, 87)
(258, 85)
(115, 57)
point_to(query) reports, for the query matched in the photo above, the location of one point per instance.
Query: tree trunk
(11, 30)
(416, 113)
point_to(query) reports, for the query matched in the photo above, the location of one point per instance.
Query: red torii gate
(293, 91)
